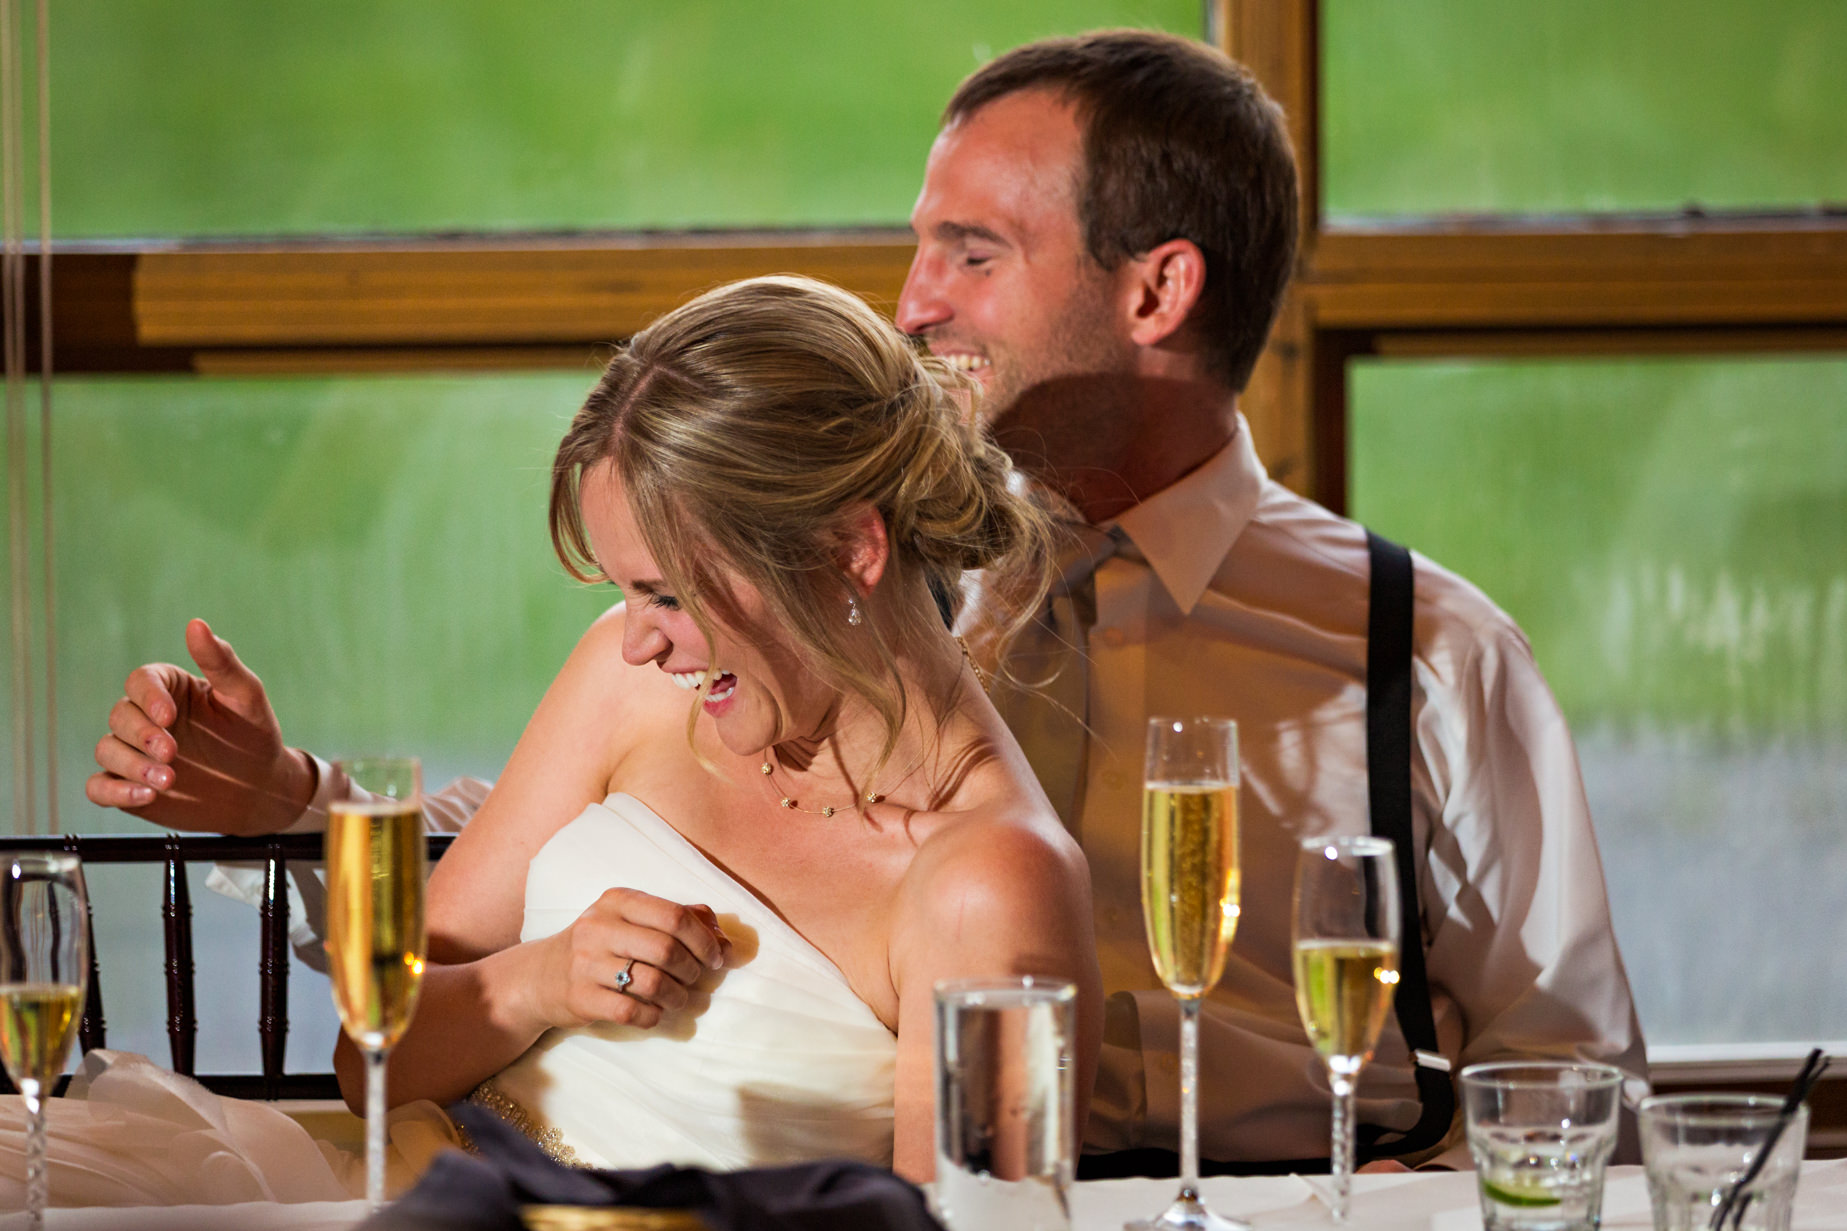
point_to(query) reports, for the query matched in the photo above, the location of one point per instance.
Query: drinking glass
(44, 965)
(1005, 1103)
(1541, 1134)
(1698, 1147)
(1346, 969)
(1190, 908)
(375, 932)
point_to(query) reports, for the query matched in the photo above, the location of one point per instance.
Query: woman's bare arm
(987, 899)
(475, 1018)
(486, 997)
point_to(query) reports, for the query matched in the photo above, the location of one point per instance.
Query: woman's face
(760, 693)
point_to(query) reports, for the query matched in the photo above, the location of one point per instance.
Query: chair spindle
(176, 921)
(273, 969)
(92, 1031)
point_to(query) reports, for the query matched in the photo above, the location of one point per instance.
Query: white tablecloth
(1444, 1201)
(300, 1216)
(1424, 1202)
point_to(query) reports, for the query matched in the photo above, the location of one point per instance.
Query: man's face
(1002, 285)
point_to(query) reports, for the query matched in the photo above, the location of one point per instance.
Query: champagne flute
(44, 965)
(1346, 969)
(375, 928)
(1190, 908)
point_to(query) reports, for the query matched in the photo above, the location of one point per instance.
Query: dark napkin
(484, 1191)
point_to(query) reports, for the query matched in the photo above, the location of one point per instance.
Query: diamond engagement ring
(624, 978)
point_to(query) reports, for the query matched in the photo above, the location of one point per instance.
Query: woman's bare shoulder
(596, 712)
(1003, 860)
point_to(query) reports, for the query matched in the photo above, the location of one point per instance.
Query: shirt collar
(1185, 530)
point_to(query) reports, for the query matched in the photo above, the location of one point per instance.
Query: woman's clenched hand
(663, 947)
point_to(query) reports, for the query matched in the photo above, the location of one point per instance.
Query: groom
(1105, 228)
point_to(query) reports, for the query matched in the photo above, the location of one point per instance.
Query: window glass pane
(375, 548)
(23, 687)
(1672, 535)
(1570, 105)
(204, 118)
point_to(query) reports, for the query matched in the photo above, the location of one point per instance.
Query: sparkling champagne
(37, 1023)
(375, 932)
(1190, 881)
(1343, 989)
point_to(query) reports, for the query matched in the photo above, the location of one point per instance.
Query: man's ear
(1165, 285)
(865, 548)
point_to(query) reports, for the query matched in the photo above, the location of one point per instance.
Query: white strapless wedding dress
(774, 1061)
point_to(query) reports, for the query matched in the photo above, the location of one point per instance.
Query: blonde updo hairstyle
(748, 427)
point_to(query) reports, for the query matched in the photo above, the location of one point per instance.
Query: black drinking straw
(1737, 1200)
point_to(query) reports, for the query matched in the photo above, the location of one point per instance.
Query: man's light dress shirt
(1237, 597)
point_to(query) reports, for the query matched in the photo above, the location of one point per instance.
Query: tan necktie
(1046, 703)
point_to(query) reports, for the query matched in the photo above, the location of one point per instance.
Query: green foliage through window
(1436, 107)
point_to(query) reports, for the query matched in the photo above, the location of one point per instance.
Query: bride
(765, 806)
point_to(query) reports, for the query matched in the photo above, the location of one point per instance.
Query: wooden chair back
(175, 852)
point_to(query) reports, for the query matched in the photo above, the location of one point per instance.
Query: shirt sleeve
(445, 811)
(1520, 941)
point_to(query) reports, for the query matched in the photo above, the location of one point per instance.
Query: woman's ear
(1166, 283)
(865, 548)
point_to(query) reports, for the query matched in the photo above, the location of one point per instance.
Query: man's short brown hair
(1180, 142)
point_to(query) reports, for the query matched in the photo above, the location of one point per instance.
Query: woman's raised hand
(664, 948)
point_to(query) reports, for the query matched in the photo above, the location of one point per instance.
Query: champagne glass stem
(1340, 1159)
(38, 1178)
(1189, 1098)
(375, 1127)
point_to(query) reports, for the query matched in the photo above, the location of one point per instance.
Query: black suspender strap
(1388, 771)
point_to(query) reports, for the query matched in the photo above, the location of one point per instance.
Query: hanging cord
(44, 410)
(12, 290)
(13, 294)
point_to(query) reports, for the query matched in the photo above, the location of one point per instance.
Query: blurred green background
(1456, 106)
(196, 118)
(375, 548)
(431, 115)
(1671, 533)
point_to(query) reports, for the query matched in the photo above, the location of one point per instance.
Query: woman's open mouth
(723, 685)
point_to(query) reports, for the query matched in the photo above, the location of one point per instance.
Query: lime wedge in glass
(1530, 1194)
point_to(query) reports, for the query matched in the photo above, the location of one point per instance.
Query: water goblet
(1005, 1103)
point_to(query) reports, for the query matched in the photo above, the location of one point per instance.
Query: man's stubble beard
(1063, 409)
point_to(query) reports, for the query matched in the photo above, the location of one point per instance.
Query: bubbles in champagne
(375, 930)
(1343, 989)
(1190, 881)
(37, 1023)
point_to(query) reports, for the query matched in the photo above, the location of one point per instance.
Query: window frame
(1501, 286)
(1524, 286)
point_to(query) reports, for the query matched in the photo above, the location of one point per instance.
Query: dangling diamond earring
(853, 616)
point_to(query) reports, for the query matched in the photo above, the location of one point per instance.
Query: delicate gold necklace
(981, 677)
(870, 797)
(795, 805)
